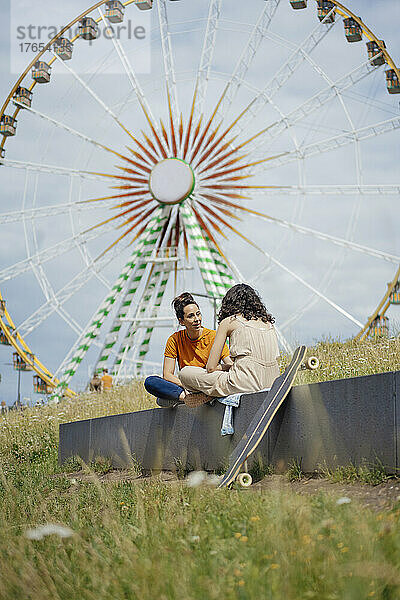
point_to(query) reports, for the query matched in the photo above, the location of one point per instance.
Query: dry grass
(340, 360)
(32, 434)
(153, 540)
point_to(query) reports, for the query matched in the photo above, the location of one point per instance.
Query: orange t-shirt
(189, 352)
(107, 382)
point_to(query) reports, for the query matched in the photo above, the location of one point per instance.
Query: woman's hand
(225, 367)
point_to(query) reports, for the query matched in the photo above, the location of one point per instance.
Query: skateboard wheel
(312, 363)
(244, 480)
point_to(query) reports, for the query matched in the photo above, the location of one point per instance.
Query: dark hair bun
(181, 301)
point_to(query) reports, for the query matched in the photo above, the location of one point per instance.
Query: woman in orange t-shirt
(189, 347)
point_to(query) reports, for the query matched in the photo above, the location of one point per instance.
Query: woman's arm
(220, 338)
(169, 370)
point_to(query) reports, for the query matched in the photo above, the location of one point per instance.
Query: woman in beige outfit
(243, 319)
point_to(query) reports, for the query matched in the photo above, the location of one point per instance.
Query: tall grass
(152, 540)
(340, 360)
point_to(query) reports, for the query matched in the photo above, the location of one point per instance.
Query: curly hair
(181, 301)
(242, 299)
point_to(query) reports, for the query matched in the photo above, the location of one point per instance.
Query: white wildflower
(40, 532)
(343, 500)
(195, 538)
(196, 478)
(213, 480)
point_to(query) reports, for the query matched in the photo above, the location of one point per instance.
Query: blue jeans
(161, 388)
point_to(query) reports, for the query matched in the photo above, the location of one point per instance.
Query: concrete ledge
(160, 438)
(330, 423)
(341, 421)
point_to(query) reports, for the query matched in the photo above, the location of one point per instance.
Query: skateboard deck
(263, 418)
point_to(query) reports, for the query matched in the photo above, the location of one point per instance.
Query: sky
(353, 281)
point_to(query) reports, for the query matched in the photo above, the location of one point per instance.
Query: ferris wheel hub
(171, 181)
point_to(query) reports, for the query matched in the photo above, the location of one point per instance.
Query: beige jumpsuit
(254, 350)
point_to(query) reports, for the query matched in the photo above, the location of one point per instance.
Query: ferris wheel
(261, 147)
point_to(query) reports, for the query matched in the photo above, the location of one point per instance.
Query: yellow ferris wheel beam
(47, 47)
(25, 352)
(384, 304)
(345, 12)
(17, 342)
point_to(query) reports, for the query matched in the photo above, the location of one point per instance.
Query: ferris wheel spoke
(58, 299)
(43, 212)
(281, 338)
(52, 252)
(37, 268)
(329, 238)
(314, 290)
(331, 190)
(52, 169)
(207, 55)
(169, 67)
(312, 301)
(345, 243)
(66, 128)
(69, 320)
(328, 144)
(265, 96)
(200, 90)
(247, 56)
(38, 271)
(273, 260)
(134, 83)
(314, 103)
(104, 106)
(357, 150)
(211, 156)
(284, 73)
(82, 248)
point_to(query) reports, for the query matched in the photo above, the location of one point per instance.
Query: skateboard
(263, 418)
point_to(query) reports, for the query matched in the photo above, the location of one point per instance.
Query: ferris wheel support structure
(219, 175)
